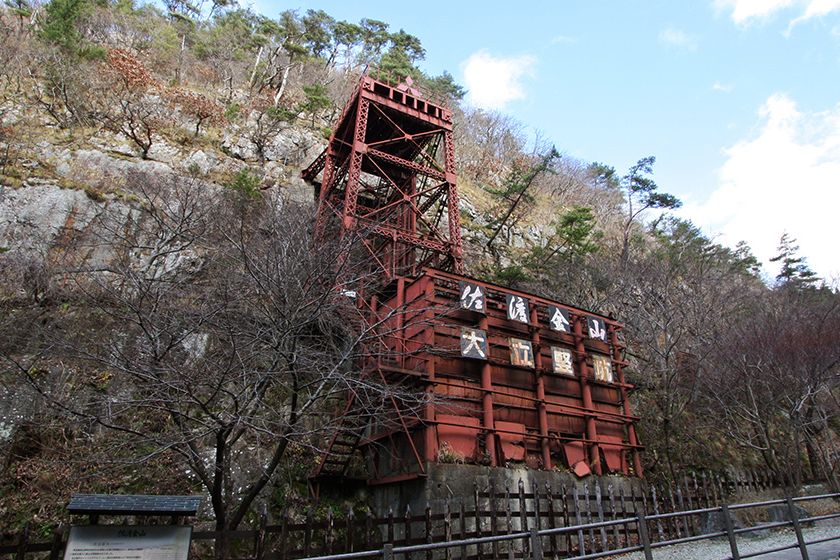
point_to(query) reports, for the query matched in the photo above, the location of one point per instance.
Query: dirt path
(719, 548)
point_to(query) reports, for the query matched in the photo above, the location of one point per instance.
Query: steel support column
(431, 433)
(618, 366)
(454, 203)
(539, 372)
(586, 396)
(489, 422)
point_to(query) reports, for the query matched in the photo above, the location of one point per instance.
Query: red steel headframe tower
(510, 376)
(389, 173)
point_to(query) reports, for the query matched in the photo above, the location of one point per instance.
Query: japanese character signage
(561, 359)
(472, 297)
(517, 308)
(597, 328)
(473, 343)
(603, 368)
(521, 352)
(558, 319)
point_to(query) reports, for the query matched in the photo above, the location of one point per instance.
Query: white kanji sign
(517, 308)
(562, 360)
(473, 343)
(558, 319)
(603, 368)
(597, 328)
(521, 352)
(472, 297)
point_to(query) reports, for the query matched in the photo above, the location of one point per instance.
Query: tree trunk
(256, 65)
(814, 460)
(283, 82)
(221, 545)
(180, 59)
(666, 431)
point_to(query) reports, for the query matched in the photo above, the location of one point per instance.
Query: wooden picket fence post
(488, 511)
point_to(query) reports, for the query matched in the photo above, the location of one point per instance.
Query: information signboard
(128, 542)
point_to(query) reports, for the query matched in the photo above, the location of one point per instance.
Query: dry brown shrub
(198, 106)
(131, 70)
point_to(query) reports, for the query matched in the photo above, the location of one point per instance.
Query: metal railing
(532, 540)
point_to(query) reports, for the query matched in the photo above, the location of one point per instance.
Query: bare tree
(676, 299)
(222, 334)
(486, 140)
(774, 388)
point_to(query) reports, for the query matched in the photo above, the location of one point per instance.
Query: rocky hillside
(153, 225)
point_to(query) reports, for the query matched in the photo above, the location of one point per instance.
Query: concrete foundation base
(459, 483)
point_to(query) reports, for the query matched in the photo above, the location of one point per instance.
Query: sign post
(130, 542)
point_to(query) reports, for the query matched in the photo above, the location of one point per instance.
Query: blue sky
(739, 100)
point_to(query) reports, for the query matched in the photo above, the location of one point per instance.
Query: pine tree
(794, 272)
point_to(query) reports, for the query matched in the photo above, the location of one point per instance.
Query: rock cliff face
(57, 186)
(62, 185)
(33, 217)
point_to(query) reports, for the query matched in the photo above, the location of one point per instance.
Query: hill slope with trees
(161, 303)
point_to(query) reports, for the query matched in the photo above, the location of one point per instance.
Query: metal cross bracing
(385, 368)
(388, 174)
(387, 178)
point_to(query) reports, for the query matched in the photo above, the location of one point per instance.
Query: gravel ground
(716, 549)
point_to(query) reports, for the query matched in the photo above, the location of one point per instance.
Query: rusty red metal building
(510, 377)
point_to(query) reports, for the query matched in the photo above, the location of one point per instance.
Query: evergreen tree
(641, 193)
(60, 28)
(794, 271)
(22, 9)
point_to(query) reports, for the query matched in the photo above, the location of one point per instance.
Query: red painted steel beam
(631, 428)
(488, 420)
(430, 431)
(564, 409)
(419, 115)
(537, 437)
(315, 167)
(454, 204)
(586, 396)
(540, 382)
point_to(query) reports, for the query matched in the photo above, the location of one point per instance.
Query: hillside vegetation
(162, 304)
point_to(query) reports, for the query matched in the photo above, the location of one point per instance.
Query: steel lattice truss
(388, 178)
(389, 174)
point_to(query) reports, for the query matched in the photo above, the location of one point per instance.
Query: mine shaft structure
(509, 377)
(389, 171)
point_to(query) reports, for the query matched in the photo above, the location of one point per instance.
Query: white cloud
(493, 82)
(784, 179)
(562, 39)
(744, 12)
(815, 9)
(723, 88)
(678, 39)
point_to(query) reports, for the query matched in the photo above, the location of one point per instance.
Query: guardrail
(532, 540)
(630, 533)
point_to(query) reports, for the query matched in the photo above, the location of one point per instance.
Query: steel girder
(388, 174)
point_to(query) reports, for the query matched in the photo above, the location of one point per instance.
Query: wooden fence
(489, 511)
